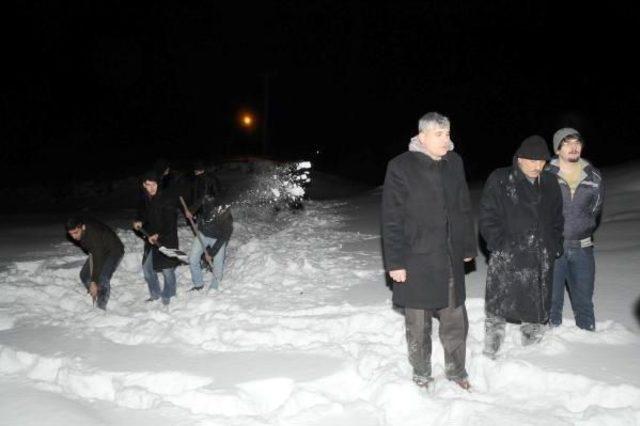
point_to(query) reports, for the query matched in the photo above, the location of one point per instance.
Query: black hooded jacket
(159, 215)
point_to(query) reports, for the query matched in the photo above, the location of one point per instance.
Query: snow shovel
(91, 275)
(169, 252)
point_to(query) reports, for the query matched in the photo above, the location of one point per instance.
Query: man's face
(570, 150)
(436, 140)
(531, 168)
(151, 187)
(77, 232)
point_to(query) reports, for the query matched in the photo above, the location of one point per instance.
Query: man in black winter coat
(105, 253)
(215, 225)
(203, 184)
(158, 218)
(521, 222)
(428, 234)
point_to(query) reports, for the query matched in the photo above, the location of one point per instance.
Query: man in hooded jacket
(428, 234)
(158, 218)
(521, 221)
(215, 226)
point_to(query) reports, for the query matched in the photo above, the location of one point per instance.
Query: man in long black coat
(158, 217)
(521, 222)
(428, 234)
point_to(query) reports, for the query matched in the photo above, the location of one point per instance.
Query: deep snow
(302, 332)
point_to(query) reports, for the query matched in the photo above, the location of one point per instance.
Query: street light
(247, 120)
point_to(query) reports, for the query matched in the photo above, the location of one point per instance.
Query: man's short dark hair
(149, 175)
(73, 222)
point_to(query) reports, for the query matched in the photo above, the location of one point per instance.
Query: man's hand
(399, 275)
(188, 214)
(93, 290)
(137, 225)
(153, 239)
(468, 259)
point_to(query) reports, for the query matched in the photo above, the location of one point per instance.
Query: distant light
(247, 120)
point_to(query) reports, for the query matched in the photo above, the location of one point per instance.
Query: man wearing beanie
(582, 194)
(428, 235)
(521, 222)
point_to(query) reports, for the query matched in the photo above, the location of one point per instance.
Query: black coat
(522, 225)
(215, 219)
(208, 201)
(101, 243)
(427, 228)
(202, 185)
(159, 215)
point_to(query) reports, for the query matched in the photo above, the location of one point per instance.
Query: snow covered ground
(302, 332)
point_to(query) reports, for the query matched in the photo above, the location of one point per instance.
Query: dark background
(100, 89)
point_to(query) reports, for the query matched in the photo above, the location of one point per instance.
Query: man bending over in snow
(105, 253)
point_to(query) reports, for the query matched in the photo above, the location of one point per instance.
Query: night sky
(101, 89)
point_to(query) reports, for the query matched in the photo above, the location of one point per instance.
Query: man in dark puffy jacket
(215, 225)
(105, 253)
(582, 194)
(521, 222)
(428, 234)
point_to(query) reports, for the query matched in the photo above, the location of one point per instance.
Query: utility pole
(265, 115)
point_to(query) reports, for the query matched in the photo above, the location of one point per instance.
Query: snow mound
(302, 331)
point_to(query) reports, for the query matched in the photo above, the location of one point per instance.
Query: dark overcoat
(159, 215)
(522, 225)
(427, 228)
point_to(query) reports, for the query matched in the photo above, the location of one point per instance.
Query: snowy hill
(302, 332)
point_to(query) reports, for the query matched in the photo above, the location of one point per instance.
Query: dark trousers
(494, 332)
(454, 327)
(104, 278)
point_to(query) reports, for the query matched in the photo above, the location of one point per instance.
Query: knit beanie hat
(533, 148)
(561, 134)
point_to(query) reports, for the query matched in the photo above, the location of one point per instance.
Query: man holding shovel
(213, 229)
(158, 218)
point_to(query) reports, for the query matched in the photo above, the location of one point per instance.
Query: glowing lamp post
(247, 121)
